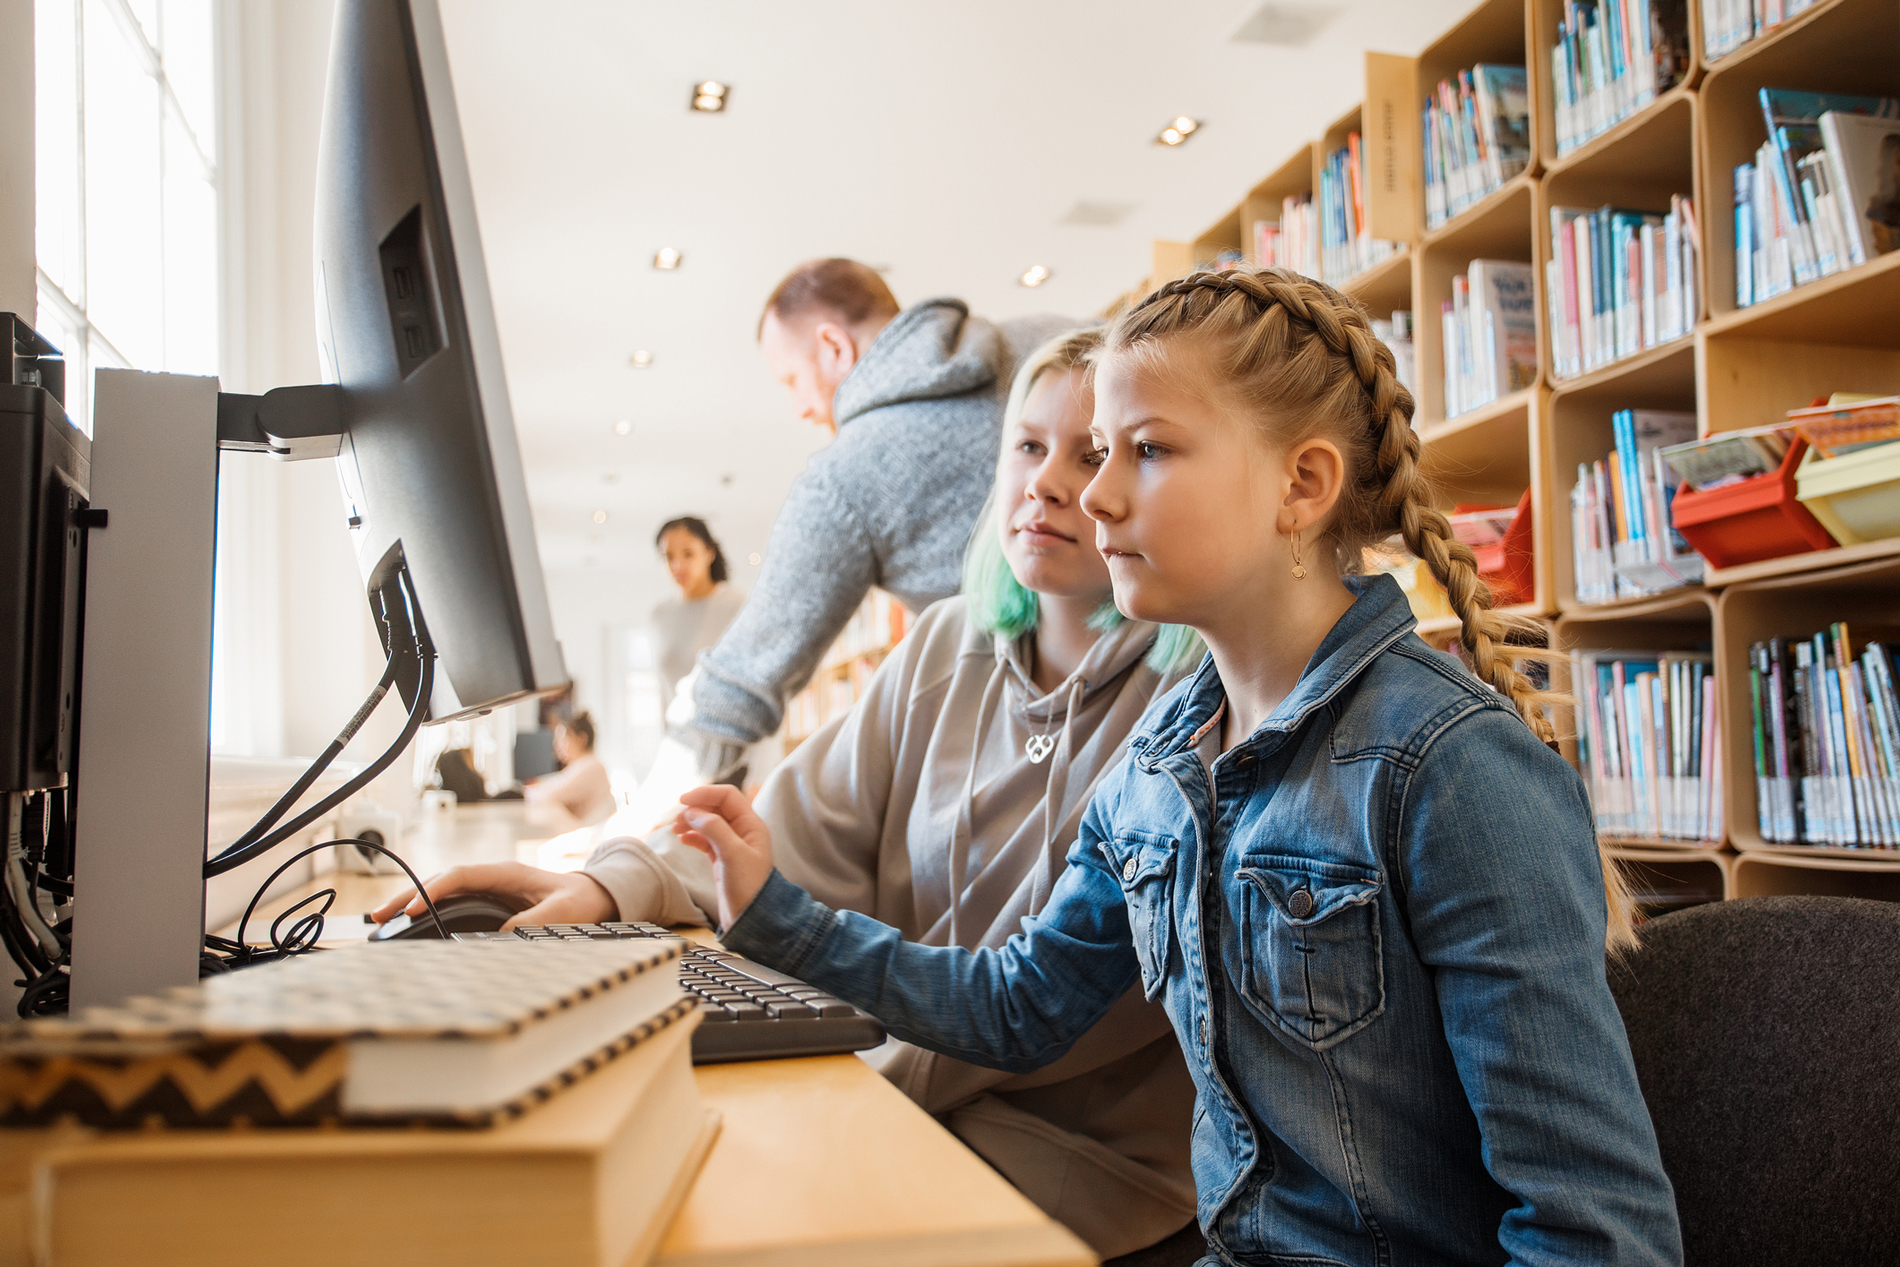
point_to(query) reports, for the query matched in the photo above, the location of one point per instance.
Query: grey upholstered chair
(1767, 1036)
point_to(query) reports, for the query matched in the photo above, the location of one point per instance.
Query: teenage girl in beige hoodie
(943, 804)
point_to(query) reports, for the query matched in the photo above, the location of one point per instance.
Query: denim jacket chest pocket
(1143, 863)
(1309, 945)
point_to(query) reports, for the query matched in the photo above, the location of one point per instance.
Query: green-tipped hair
(998, 602)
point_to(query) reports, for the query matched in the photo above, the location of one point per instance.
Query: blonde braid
(1300, 350)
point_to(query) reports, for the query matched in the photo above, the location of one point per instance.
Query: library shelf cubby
(1739, 368)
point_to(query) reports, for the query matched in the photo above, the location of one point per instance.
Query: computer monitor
(430, 465)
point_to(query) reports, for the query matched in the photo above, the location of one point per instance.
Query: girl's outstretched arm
(1017, 1008)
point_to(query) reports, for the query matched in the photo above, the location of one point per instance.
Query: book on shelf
(1622, 541)
(419, 1032)
(1826, 740)
(1396, 334)
(1729, 24)
(607, 1164)
(1476, 135)
(1346, 248)
(1489, 334)
(1611, 59)
(1822, 194)
(1618, 282)
(1293, 241)
(1847, 423)
(1649, 740)
(1728, 457)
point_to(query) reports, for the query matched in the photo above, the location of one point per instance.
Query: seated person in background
(944, 803)
(580, 786)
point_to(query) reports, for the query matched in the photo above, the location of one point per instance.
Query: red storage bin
(1759, 518)
(1508, 565)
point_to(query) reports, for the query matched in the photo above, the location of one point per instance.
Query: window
(127, 186)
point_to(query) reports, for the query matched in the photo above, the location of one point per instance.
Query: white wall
(16, 158)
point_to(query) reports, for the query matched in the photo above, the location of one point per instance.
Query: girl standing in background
(707, 602)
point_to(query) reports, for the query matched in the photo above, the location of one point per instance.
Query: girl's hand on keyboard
(542, 897)
(718, 821)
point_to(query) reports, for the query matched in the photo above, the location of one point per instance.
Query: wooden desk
(819, 1163)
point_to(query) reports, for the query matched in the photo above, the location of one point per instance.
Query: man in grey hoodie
(916, 400)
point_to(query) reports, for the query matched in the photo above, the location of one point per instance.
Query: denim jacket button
(1128, 870)
(1299, 904)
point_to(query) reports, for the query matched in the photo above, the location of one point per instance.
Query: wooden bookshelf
(1740, 368)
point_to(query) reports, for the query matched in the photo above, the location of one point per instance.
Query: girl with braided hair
(1367, 892)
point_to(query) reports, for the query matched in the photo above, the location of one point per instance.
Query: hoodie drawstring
(965, 828)
(1052, 812)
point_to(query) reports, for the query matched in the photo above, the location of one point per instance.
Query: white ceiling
(944, 142)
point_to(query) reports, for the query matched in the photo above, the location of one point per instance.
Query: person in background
(915, 400)
(944, 801)
(689, 624)
(580, 786)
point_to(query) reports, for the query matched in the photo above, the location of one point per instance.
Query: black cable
(243, 851)
(322, 763)
(304, 933)
(238, 855)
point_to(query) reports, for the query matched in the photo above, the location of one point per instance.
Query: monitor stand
(143, 762)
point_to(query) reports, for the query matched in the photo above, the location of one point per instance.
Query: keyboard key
(715, 1015)
(791, 1012)
(832, 1008)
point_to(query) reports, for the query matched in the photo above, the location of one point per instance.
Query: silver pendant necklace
(1038, 747)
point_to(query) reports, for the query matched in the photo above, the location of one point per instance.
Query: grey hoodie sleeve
(819, 565)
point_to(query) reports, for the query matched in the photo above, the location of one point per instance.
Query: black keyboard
(749, 1011)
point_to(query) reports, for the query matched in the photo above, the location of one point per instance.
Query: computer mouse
(460, 912)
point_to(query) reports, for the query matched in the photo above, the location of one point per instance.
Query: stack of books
(1291, 242)
(1622, 542)
(1611, 59)
(1649, 740)
(1618, 282)
(1477, 135)
(442, 1086)
(1729, 24)
(1822, 195)
(1397, 335)
(1346, 248)
(1827, 741)
(1489, 334)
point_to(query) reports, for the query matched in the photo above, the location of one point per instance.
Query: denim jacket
(1378, 930)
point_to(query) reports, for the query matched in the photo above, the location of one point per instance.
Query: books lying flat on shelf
(1489, 334)
(1291, 242)
(1612, 59)
(1728, 457)
(1848, 423)
(1826, 740)
(1477, 135)
(604, 1166)
(1729, 24)
(1397, 335)
(1618, 282)
(446, 1033)
(1649, 735)
(1823, 193)
(1622, 542)
(1346, 248)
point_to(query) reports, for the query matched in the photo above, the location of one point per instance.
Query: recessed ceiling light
(709, 97)
(641, 359)
(753, 558)
(1034, 276)
(666, 259)
(623, 428)
(600, 516)
(1178, 131)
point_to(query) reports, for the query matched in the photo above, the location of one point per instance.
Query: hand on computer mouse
(718, 821)
(541, 897)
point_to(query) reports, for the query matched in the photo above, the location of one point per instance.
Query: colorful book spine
(1346, 247)
(1475, 131)
(1618, 283)
(1649, 736)
(1729, 24)
(1827, 728)
(1611, 58)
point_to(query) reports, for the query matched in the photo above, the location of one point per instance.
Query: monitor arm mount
(289, 423)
